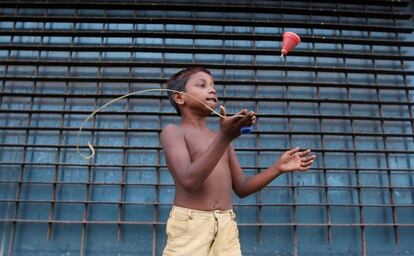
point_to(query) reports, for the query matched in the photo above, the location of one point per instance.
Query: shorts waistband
(199, 213)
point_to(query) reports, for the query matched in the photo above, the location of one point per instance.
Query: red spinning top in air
(290, 40)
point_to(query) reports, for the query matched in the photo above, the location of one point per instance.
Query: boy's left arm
(291, 160)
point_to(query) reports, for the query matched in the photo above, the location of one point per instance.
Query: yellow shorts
(202, 233)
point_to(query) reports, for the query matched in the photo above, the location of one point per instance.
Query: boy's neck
(193, 121)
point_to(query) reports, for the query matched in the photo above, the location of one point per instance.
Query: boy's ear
(178, 98)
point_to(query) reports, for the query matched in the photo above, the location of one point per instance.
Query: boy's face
(201, 86)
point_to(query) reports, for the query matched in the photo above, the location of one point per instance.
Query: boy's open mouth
(212, 99)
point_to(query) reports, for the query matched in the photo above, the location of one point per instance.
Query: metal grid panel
(346, 92)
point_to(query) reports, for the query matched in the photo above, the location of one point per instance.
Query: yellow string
(87, 157)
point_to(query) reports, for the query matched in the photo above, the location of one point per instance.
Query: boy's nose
(212, 89)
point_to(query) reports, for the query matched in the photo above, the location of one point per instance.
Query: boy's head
(179, 81)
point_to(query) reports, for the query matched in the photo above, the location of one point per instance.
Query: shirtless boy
(206, 170)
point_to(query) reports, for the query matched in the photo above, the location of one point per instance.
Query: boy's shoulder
(171, 129)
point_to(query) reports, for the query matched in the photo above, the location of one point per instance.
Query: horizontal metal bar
(158, 81)
(244, 149)
(397, 3)
(158, 130)
(224, 98)
(234, 204)
(110, 184)
(134, 64)
(232, 8)
(258, 168)
(212, 22)
(151, 113)
(201, 35)
(201, 50)
(370, 2)
(242, 224)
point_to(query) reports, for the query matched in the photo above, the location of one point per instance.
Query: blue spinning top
(246, 129)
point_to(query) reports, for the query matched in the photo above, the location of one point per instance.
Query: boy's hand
(293, 160)
(230, 126)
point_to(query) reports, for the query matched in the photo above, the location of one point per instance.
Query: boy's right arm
(189, 174)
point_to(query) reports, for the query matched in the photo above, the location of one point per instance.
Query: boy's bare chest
(198, 142)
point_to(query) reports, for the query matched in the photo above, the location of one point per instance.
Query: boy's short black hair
(178, 81)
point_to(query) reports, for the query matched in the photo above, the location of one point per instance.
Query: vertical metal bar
(387, 162)
(384, 139)
(257, 162)
(90, 177)
(410, 113)
(121, 205)
(358, 185)
(157, 181)
(22, 165)
(291, 174)
(58, 151)
(85, 209)
(6, 211)
(360, 208)
(87, 191)
(157, 168)
(193, 40)
(123, 184)
(15, 212)
(324, 169)
(409, 102)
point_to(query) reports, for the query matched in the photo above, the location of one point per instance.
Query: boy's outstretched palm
(294, 160)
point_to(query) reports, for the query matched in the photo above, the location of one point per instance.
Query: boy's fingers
(306, 164)
(243, 121)
(250, 114)
(222, 111)
(242, 117)
(242, 112)
(246, 117)
(304, 169)
(304, 153)
(309, 158)
(253, 119)
(238, 116)
(293, 151)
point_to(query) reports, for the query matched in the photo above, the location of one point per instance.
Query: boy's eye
(201, 85)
